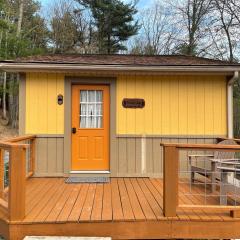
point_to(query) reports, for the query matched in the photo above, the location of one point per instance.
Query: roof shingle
(118, 59)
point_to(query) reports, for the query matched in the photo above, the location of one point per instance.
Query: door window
(91, 105)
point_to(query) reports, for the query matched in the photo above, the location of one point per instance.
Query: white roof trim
(24, 67)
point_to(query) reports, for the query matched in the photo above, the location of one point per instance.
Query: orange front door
(90, 127)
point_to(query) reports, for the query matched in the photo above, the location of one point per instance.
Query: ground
(7, 132)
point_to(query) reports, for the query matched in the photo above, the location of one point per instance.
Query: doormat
(87, 180)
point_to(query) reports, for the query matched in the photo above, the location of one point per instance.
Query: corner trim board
(22, 103)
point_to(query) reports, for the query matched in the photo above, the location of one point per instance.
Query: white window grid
(95, 103)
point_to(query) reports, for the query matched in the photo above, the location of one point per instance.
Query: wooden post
(17, 183)
(32, 154)
(170, 181)
(1, 173)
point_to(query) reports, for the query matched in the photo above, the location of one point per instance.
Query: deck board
(43, 214)
(116, 201)
(149, 214)
(155, 205)
(98, 203)
(137, 210)
(107, 203)
(77, 208)
(56, 210)
(33, 190)
(41, 204)
(126, 205)
(63, 216)
(193, 214)
(88, 204)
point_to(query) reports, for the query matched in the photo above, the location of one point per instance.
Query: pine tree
(22, 32)
(114, 21)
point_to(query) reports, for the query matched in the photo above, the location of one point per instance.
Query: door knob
(74, 130)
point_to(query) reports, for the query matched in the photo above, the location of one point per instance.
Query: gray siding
(129, 161)
(130, 156)
(49, 156)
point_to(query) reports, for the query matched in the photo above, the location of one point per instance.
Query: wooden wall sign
(133, 103)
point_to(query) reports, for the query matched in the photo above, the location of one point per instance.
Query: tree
(63, 28)
(20, 17)
(86, 32)
(19, 21)
(226, 23)
(226, 29)
(158, 32)
(71, 29)
(193, 15)
(114, 21)
(233, 7)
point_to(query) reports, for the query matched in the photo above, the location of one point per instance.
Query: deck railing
(12, 197)
(30, 151)
(171, 177)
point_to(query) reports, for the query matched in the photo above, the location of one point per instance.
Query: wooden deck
(124, 199)
(125, 208)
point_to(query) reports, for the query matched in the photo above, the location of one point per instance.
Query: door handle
(74, 130)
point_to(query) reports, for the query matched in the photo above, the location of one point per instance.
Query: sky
(141, 3)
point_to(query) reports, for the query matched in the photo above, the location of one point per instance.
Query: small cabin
(105, 116)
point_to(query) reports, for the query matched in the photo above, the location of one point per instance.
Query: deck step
(65, 238)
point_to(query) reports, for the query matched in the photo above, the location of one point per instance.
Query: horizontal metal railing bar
(213, 147)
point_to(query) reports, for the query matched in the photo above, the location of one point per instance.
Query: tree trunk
(4, 95)
(13, 100)
(20, 17)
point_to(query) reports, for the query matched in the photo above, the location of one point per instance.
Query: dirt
(7, 132)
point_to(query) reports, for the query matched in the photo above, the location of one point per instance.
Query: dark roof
(140, 60)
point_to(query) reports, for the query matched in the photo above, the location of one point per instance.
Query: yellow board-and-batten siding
(43, 114)
(175, 105)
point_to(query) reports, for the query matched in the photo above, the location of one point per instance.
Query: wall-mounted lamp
(60, 99)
